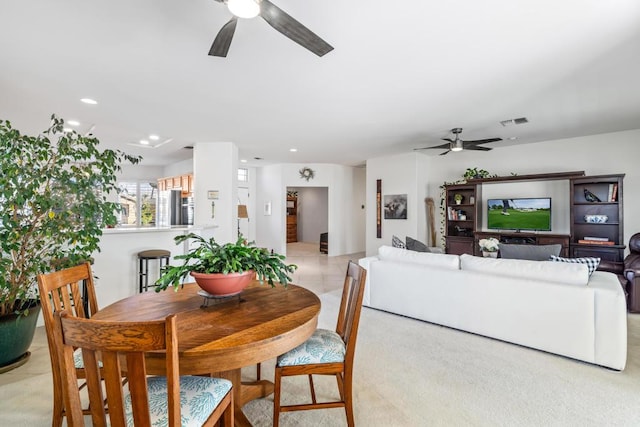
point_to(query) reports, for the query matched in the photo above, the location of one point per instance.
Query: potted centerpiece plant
(53, 207)
(489, 247)
(224, 270)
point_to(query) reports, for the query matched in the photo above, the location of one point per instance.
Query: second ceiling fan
(458, 144)
(275, 17)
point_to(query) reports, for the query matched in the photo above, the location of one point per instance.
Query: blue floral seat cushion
(78, 362)
(199, 396)
(324, 346)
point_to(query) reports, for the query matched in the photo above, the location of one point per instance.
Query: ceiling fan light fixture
(457, 146)
(244, 8)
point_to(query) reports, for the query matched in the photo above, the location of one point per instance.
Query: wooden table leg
(244, 392)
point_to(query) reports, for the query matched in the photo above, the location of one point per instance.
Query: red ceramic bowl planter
(222, 285)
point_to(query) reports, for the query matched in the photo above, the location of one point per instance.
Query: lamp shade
(242, 211)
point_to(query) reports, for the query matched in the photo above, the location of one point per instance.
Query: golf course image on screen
(519, 214)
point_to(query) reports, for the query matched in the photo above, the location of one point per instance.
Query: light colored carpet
(411, 373)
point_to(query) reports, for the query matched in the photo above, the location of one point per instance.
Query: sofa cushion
(416, 245)
(396, 242)
(529, 252)
(556, 272)
(590, 262)
(387, 253)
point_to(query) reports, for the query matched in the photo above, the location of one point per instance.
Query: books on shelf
(612, 195)
(596, 242)
(602, 239)
(456, 214)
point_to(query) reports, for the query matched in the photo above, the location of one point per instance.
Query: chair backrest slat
(113, 341)
(61, 290)
(350, 306)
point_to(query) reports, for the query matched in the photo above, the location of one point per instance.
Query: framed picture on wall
(395, 206)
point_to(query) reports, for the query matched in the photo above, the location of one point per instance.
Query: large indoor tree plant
(53, 207)
(236, 262)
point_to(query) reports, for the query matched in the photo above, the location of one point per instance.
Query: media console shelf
(462, 220)
(522, 238)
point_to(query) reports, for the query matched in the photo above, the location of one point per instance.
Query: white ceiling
(403, 73)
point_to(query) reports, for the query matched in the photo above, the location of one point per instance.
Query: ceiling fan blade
(291, 28)
(447, 139)
(477, 148)
(221, 44)
(483, 141)
(446, 152)
(437, 146)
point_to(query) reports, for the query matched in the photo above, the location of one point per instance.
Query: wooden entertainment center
(463, 216)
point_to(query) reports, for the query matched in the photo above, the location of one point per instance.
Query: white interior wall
(139, 173)
(215, 166)
(179, 168)
(400, 174)
(270, 227)
(359, 210)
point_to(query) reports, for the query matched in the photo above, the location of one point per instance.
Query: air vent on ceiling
(518, 121)
(188, 147)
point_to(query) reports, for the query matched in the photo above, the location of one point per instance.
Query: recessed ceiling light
(154, 137)
(73, 122)
(512, 138)
(67, 130)
(293, 150)
(243, 160)
(89, 101)
(144, 142)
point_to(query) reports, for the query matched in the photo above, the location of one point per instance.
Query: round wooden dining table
(220, 338)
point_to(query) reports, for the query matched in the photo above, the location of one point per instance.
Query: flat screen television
(519, 214)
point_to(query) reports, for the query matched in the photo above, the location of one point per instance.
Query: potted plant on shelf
(458, 198)
(489, 247)
(224, 270)
(53, 207)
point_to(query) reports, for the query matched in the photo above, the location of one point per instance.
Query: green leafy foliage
(53, 205)
(207, 256)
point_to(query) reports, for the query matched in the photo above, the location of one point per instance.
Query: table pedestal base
(244, 392)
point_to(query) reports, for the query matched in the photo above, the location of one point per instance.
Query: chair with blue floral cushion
(327, 352)
(70, 289)
(170, 400)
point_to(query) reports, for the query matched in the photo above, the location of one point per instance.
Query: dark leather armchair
(628, 273)
(632, 274)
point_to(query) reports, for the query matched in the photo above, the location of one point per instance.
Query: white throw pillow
(388, 253)
(556, 272)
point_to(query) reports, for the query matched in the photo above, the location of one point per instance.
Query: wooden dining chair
(327, 352)
(63, 290)
(143, 400)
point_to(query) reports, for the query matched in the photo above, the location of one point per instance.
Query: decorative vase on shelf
(488, 254)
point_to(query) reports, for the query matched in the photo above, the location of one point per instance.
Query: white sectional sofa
(551, 306)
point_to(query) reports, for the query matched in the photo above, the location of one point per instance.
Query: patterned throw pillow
(592, 263)
(397, 243)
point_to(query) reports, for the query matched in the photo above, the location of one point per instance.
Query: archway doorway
(311, 218)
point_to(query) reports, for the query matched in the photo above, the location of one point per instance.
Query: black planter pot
(16, 335)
